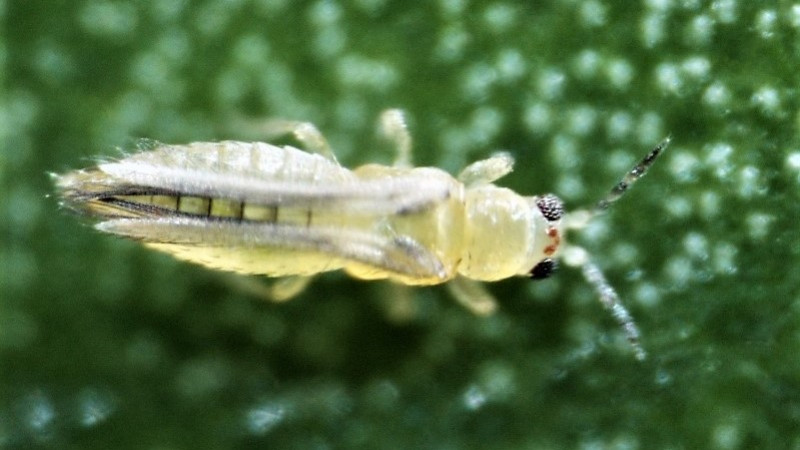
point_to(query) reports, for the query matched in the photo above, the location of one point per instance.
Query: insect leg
(287, 288)
(399, 302)
(280, 290)
(393, 127)
(577, 256)
(305, 132)
(487, 170)
(472, 295)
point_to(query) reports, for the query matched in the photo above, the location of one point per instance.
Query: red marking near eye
(556, 238)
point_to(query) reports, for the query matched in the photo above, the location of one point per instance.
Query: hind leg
(399, 302)
(280, 290)
(307, 133)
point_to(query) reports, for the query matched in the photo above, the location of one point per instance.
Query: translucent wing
(399, 255)
(145, 196)
(255, 173)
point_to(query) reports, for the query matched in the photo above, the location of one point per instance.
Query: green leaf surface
(104, 344)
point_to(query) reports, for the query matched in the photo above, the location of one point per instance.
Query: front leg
(472, 295)
(487, 170)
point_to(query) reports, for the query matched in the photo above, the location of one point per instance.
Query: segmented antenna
(610, 300)
(577, 256)
(631, 177)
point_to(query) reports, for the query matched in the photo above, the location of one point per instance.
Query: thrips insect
(257, 208)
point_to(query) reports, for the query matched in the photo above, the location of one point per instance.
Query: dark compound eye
(551, 207)
(544, 269)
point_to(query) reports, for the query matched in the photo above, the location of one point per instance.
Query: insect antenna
(611, 301)
(580, 218)
(577, 256)
(631, 177)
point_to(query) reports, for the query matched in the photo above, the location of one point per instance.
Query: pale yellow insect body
(256, 208)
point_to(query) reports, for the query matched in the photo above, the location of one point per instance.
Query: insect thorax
(505, 234)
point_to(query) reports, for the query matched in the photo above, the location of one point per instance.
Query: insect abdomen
(160, 205)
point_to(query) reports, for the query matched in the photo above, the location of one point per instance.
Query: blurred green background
(104, 344)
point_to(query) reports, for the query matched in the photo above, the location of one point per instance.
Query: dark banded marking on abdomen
(214, 208)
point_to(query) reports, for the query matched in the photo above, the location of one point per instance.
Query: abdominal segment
(139, 205)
